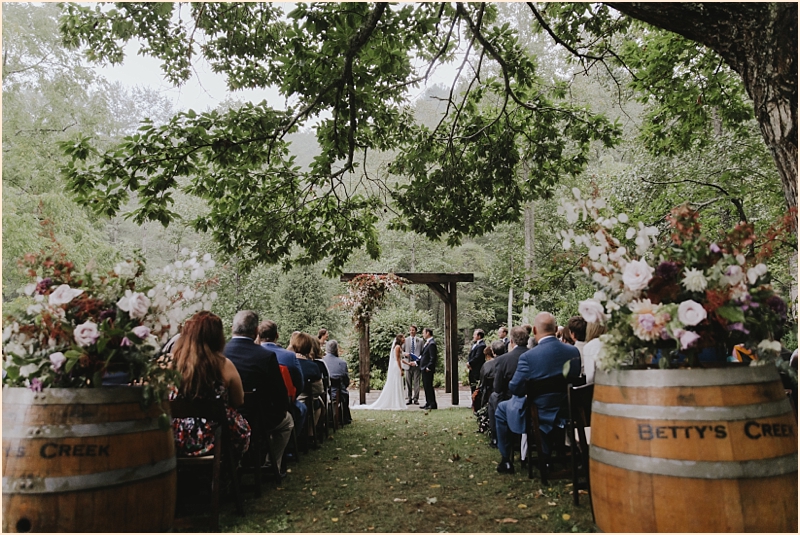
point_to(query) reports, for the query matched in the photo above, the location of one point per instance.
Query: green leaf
(731, 313)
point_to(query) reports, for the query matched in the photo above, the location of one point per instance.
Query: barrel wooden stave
(85, 460)
(626, 499)
(634, 502)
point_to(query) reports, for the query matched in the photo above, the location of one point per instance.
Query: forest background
(676, 143)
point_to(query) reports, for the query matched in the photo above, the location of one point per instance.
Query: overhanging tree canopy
(506, 135)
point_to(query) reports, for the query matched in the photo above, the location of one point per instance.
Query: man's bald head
(544, 324)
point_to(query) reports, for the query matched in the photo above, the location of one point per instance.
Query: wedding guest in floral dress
(206, 373)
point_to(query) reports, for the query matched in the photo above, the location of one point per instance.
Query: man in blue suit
(545, 360)
(260, 372)
(268, 338)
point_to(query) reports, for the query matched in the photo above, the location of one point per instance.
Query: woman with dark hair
(322, 336)
(207, 374)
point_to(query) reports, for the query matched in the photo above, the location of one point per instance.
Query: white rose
(733, 275)
(694, 280)
(135, 304)
(592, 311)
(63, 295)
(125, 269)
(755, 272)
(29, 288)
(637, 275)
(691, 312)
(58, 360)
(770, 345)
(86, 334)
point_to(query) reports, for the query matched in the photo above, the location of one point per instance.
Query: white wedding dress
(392, 396)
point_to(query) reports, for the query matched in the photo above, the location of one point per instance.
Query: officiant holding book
(411, 350)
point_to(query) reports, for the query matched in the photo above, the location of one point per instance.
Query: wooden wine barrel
(85, 460)
(693, 451)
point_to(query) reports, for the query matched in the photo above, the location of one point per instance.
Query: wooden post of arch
(444, 286)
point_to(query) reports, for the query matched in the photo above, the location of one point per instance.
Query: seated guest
(322, 336)
(545, 360)
(207, 374)
(338, 370)
(577, 327)
(302, 344)
(504, 368)
(592, 349)
(268, 338)
(260, 373)
(478, 394)
(531, 340)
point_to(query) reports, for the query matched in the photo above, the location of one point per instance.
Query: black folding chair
(213, 411)
(551, 385)
(579, 401)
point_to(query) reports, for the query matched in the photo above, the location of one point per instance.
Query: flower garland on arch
(366, 292)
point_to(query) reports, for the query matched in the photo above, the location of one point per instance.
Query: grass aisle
(409, 471)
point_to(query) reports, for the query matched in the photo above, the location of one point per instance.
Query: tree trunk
(363, 364)
(509, 323)
(758, 41)
(528, 301)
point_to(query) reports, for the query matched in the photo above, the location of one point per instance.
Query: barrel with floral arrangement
(80, 456)
(683, 441)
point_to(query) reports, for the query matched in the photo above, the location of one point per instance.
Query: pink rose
(686, 338)
(141, 331)
(135, 304)
(86, 334)
(125, 342)
(63, 295)
(58, 360)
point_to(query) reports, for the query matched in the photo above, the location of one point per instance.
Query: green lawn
(412, 471)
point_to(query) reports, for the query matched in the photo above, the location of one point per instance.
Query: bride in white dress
(392, 397)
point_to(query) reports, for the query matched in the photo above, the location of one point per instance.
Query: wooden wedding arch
(444, 286)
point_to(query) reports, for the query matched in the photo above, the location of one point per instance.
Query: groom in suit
(413, 344)
(427, 365)
(545, 360)
(476, 359)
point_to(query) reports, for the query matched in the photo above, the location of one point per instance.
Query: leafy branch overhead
(506, 134)
(346, 70)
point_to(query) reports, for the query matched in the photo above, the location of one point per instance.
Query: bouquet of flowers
(366, 292)
(80, 327)
(679, 298)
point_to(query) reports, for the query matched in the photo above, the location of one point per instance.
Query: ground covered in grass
(409, 471)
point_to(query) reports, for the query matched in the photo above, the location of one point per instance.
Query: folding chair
(336, 403)
(579, 401)
(259, 439)
(213, 411)
(551, 385)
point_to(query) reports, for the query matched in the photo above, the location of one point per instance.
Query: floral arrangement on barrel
(690, 300)
(366, 292)
(79, 328)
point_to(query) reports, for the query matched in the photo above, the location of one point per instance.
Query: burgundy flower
(44, 285)
(667, 270)
(777, 305)
(110, 313)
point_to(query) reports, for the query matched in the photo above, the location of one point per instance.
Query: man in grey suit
(412, 345)
(545, 360)
(504, 369)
